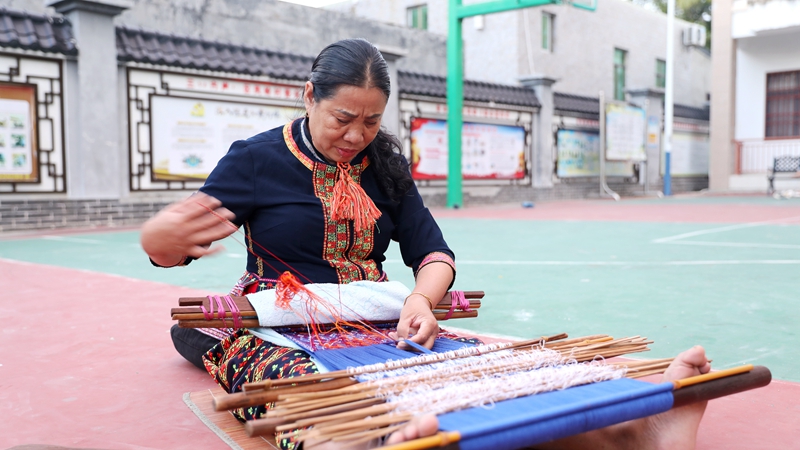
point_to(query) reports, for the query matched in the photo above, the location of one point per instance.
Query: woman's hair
(356, 62)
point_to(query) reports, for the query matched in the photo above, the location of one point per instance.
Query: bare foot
(418, 427)
(677, 428)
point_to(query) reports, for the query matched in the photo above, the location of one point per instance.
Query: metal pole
(669, 96)
(455, 104)
(604, 189)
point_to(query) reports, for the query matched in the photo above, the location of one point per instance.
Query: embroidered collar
(308, 143)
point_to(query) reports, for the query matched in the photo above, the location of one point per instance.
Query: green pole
(455, 103)
(455, 79)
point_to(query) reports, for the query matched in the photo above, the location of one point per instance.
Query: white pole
(669, 96)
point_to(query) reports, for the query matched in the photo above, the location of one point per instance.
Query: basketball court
(87, 361)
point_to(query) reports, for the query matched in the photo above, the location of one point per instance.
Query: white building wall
(750, 18)
(492, 53)
(755, 58)
(584, 42)
(509, 46)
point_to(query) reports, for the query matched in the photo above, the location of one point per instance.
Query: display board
(18, 145)
(488, 151)
(625, 133)
(579, 156)
(190, 135)
(689, 156)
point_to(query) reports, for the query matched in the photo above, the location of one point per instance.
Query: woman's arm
(186, 228)
(416, 318)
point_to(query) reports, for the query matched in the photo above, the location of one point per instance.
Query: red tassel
(349, 201)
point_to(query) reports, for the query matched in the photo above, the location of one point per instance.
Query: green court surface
(733, 288)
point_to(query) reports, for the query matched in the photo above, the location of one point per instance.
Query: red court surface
(637, 211)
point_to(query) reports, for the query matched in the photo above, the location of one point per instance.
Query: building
(94, 103)
(618, 47)
(756, 93)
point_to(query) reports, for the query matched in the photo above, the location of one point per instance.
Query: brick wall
(17, 215)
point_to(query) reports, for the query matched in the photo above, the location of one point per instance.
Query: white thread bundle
(425, 359)
(462, 392)
(477, 380)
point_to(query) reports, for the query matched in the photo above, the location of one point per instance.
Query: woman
(293, 190)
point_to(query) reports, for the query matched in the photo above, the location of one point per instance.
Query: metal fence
(757, 156)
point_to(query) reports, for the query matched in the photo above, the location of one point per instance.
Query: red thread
(459, 300)
(220, 312)
(289, 286)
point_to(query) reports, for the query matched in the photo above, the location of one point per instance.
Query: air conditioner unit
(694, 35)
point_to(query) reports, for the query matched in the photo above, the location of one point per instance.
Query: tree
(695, 11)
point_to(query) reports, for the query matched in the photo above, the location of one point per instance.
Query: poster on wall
(625, 133)
(579, 156)
(488, 151)
(190, 135)
(689, 154)
(18, 145)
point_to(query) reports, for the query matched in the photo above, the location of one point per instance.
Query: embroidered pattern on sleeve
(437, 257)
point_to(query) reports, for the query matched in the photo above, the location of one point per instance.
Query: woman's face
(342, 126)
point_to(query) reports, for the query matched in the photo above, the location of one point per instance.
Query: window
(619, 74)
(547, 31)
(417, 17)
(783, 104)
(661, 73)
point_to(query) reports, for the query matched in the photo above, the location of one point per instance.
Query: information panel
(190, 135)
(689, 154)
(579, 156)
(18, 147)
(488, 151)
(625, 133)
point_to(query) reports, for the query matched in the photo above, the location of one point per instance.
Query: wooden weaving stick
(190, 315)
(271, 390)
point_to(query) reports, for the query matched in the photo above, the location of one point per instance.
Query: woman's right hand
(186, 228)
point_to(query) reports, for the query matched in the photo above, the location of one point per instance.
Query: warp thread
(220, 313)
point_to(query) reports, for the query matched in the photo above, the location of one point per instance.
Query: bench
(783, 166)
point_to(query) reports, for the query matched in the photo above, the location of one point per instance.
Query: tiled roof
(34, 32)
(435, 86)
(690, 112)
(591, 105)
(168, 50)
(163, 49)
(576, 103)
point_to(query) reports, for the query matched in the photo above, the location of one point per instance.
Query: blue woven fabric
(535, 419)
(359, 356)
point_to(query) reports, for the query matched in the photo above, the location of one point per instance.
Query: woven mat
(223, 424)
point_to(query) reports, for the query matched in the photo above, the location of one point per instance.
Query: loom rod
(253, 323)
(697, 389)
(194, 312)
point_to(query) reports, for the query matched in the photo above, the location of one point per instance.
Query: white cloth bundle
(368, 300)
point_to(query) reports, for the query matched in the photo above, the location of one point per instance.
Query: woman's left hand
(417, 323)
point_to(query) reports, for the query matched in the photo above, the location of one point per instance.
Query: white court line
(622, 263)
(734, 244)
(71, 239)
(721, 229)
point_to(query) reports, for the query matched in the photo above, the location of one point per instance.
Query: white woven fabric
(368, 300)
